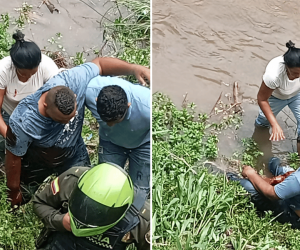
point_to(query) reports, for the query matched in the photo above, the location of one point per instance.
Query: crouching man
(280, 194)
(123, 111)
(95, 208)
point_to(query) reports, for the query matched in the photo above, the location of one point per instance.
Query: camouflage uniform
(51, 204)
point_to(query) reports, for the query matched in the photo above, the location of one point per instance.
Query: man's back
(134, 130)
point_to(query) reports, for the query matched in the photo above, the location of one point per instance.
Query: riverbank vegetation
(195, 209)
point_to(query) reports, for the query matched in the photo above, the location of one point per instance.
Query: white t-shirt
(17, 90)
(275, 77)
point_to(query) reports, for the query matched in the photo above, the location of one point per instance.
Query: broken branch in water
(185, 101)
(224, 108)
(236, 103)
(49, 5)
(232, 106)
(235, 92)
(213, 109)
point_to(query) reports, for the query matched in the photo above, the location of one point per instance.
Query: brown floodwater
(77, 21)
(202, 47)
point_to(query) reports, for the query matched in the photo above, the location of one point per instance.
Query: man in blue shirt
(283, 198)
(45, 128)
(122, 110)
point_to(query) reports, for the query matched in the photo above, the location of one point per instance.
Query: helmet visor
(92, 213)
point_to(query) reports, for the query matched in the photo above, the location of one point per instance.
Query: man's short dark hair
(112, 103)
(65, 100)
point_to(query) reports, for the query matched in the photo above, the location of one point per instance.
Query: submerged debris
(50, 6)
(228, 109)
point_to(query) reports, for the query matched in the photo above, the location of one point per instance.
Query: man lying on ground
(45, 128)
(283, 198)
(122, 110)
(95, 208)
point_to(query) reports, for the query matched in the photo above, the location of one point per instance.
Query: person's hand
(247, 170)
(15, 197)
(66, 222)
(277, 133)
(142, 74)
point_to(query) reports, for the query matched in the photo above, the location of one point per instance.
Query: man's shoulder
(69, 176)
(75, 171)
(75, 78)
(25, 114)
(26, 106)
(141, 96)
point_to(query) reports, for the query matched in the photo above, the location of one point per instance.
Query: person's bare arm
(113, 66)
(259, 183)
(297, 212)
(262, 98)
(3, 126)
(13, 175)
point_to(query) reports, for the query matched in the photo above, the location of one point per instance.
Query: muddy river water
(76, 20)
(202, 47)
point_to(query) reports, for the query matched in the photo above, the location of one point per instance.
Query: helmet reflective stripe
(80, 225)
(100, 200)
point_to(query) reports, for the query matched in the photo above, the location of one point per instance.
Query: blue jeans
(279, 206)
(5, 117)
(276, 106)
(139, 161)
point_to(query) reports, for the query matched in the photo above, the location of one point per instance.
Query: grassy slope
(196, 210)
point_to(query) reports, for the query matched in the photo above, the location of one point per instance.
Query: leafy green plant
(19, 228)
(211, 147)
(228, 121)
(128, 36)
(90, 136)
(25, 16)
(250, 153)
(55, 40)
(5, 37)
(78, 59)
(293, 160)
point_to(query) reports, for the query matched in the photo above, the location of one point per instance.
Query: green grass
(90, 135)
(19, 228)
(5, 37)
(193, 209)
(293, 160)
